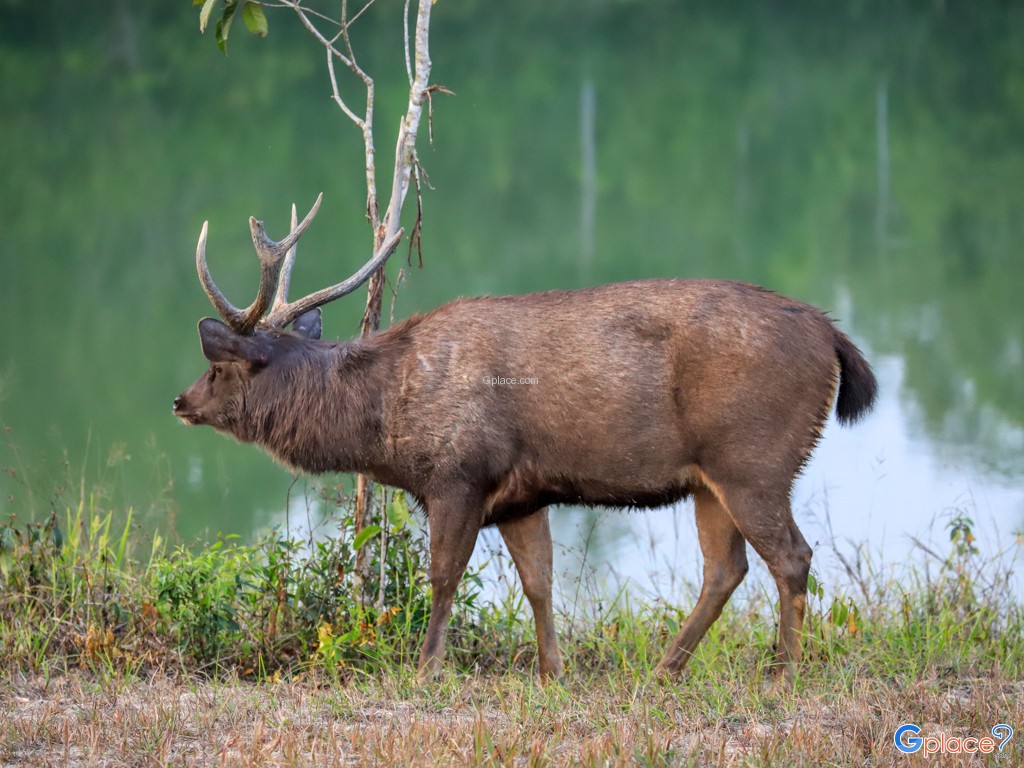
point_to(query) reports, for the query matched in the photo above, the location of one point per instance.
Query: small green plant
(961, 534)
(280, 603)
(960, 561)
(199, 597)
(834, 621)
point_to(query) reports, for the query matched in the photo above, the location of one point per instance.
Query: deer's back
(618, 388)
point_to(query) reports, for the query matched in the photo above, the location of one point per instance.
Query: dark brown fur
(627, 395)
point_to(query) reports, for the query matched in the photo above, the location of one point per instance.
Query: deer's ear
(309, 324)
(222, 345)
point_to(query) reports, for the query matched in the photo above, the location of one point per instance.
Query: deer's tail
(857, 384)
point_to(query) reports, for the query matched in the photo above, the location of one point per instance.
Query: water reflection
(864, 159)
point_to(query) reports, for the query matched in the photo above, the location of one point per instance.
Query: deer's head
(247, 342)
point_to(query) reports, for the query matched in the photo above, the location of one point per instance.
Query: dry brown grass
(79, 720)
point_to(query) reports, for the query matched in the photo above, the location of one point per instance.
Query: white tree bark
(405, 147)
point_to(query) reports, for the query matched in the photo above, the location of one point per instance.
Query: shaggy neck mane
(319, 409)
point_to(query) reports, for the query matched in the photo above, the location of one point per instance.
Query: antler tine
(283, 314)
(285, 279)
(271, 257)
(228, 311)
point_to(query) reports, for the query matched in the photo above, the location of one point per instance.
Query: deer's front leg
(454, 524)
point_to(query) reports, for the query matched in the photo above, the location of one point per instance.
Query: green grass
(120, 649)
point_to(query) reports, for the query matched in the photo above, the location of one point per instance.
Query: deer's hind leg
(765, 518)
(725, 565)
(529, 542)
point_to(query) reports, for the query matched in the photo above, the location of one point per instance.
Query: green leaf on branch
(204, 15)
(364, 536)
(398, 511)
(254, 18)
(224, 27)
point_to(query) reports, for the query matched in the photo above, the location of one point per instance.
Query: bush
(275, 605)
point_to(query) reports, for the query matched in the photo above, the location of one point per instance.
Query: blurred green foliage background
(864, 156)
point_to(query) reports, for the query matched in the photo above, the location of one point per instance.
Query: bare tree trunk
(418, 67)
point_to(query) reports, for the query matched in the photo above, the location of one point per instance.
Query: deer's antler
(276, 262)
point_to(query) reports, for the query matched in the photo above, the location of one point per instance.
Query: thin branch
(362, 10)
(364, 123)
(430, 108)
(418, 74)
(367, 80)
(372, 210)
(294, 6)
(409, 127)
(314, 31)
(405, 29)
(336, 95)
(416, 235)
(399, 279)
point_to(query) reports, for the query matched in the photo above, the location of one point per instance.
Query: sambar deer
(489, 410)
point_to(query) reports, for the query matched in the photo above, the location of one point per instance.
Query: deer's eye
(215, 371)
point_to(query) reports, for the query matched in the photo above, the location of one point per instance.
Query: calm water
(868, 161)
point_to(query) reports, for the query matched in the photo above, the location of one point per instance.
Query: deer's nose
(177, 403)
